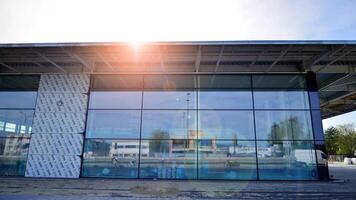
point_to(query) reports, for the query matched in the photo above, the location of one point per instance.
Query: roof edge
(228, 42)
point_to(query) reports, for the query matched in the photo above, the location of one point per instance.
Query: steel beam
(161, 60)
(77, 57)
(349, 88)
(337, 98)
(283, 53)
(258, 57)
(98, 53)
(325, 85)
(48, 60)
(309, 63)
(9, 67)
(221, 53)
(336, 59)
(197, 59)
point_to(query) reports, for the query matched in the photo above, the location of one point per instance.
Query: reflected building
(197, 115)
(127, 148)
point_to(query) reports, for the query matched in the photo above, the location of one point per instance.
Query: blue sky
(178, 20)
(348, 118)
(43, 21)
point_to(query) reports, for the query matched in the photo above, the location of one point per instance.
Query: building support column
(319, 141)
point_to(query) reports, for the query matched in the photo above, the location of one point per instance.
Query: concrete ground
(344, 187)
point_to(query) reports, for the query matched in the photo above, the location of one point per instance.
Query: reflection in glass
(169, 124)
(281, 100)
(279, 81)
(224, 81)
(115, 100)
(226, 125)
(15, 122)
(111, 158)
(198, 127)
(13, 155)
(117, 82)
(286, 160)
(232, 159)
(113, 124)
(18, 99)
(169, 100)
(225, 100)
(168, 159)
(22, 82)
(283, 125)
(169, 82)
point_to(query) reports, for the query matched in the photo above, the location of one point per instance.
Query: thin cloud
(37, 21)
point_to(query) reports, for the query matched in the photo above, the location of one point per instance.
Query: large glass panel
(169, 82)
(232, 159)
(226, 125)
(279, 81)
(117, 82)
(225, 100)
(169, 100)
(13, 154)
(19, 82)
(283, 125)
(111, 158)
(168, 159)
(18, 122)
(18, 99)
(286, 160)
(113, 124)
(115, 100)
(281, 100)
(224, 81)
(169, 124)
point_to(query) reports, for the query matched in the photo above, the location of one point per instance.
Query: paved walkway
(41, 189)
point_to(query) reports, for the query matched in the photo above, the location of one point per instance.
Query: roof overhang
(334, 62)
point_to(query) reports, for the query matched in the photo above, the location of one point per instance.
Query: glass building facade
(191, 127)
(17, 104)
(229, 127)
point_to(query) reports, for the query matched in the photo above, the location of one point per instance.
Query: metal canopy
(333, 61)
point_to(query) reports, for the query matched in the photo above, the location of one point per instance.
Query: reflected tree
(158, 142)
(288, 129)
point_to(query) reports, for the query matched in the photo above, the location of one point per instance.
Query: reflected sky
(113, 124)
(281, 100)
(18, 99)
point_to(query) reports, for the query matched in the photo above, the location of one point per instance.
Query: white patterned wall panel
(61, 102)
(55, 166)
(58, 144)
(52, 122)
(64, 83)
(58, 126)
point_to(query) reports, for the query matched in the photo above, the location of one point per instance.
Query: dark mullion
(85, 127)
(254, 128)
(314, 143)
(17, 109)
(140, 137)
(197, 99)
